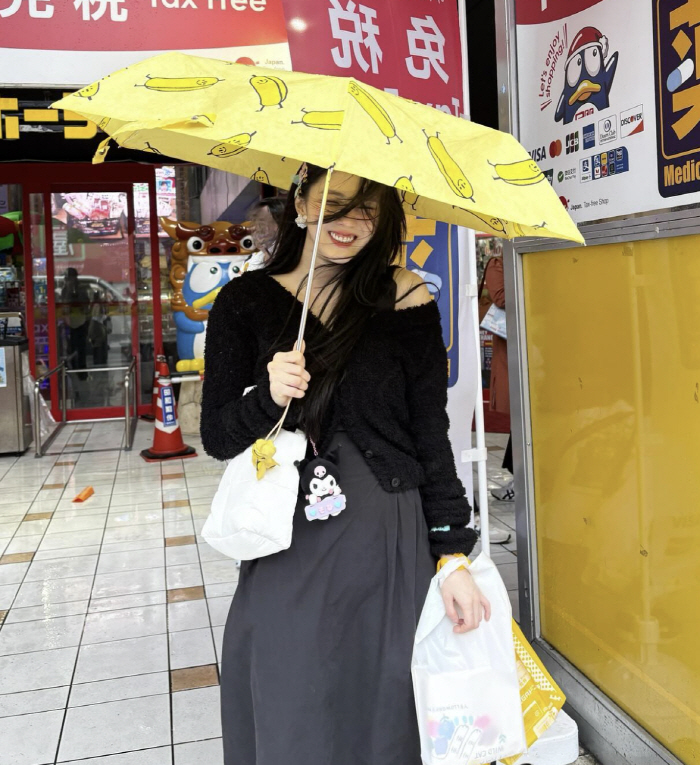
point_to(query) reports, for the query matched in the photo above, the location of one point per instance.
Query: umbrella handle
(312, 267)
(307, 297)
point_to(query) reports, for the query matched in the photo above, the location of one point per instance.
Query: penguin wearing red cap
(589, 76)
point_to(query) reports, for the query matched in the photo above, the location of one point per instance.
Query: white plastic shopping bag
(466, 686)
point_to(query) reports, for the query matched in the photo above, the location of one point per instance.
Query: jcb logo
(572, 143)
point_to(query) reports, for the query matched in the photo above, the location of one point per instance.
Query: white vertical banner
(461, 398)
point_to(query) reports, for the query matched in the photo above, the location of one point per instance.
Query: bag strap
(272, 435)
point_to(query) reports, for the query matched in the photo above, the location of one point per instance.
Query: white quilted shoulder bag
(253, 508)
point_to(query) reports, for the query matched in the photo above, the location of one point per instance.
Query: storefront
(83, 275)
(91, 267)
(604, 366)
(87, 262)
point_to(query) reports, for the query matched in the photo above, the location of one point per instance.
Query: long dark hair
(358, 287)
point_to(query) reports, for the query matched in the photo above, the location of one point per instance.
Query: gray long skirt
(317, 648)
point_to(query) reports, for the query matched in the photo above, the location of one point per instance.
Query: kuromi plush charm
(320, 484)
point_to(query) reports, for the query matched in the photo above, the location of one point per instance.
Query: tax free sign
(69, 43)
(410, 47)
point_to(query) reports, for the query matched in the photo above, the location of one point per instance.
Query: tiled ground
(112, 610)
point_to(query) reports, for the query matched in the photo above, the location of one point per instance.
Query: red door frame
(43, 178)
(94, 413)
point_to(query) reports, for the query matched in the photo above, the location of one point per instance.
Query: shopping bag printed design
(466, 686)
(540, 696)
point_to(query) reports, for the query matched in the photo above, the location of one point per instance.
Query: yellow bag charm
(263, 452)
(541, 697)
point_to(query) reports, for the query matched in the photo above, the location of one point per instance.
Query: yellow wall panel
(613, 335)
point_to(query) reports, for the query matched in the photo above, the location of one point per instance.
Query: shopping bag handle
(434, 610)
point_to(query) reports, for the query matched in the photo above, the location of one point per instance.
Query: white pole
(481, 453)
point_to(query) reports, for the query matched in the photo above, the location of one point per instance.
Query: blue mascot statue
(204, 259)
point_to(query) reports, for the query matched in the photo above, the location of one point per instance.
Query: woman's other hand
(465, 605)
(288, 377)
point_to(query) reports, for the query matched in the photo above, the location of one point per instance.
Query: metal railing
(130, 402)
(39, 447)
(129, 421)
(129, 386)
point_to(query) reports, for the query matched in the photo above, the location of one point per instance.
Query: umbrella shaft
(312, 267)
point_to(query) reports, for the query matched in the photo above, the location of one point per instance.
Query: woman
(318, 642)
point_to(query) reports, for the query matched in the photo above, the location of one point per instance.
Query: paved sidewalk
(113, 610)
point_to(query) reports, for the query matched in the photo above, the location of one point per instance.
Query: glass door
(96, 295)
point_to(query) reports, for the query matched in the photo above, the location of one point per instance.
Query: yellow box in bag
(540, 696)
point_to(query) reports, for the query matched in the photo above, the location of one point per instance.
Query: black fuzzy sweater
(391, 400)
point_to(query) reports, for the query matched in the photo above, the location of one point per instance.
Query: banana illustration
(89, 91)
(271, 90)
(408, 194)
(493, 224)
(375, 110)
(102, 124)
(455, 177)
(522, 173)
(260, 176)
(232, 146)
(178, 84)
(321, 120)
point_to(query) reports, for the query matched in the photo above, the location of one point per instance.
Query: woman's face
(343, 238)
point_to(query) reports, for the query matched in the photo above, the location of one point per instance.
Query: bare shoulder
(411, 290)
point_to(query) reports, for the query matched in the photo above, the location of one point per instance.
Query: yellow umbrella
(262, 123)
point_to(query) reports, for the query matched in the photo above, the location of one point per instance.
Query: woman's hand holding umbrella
(288, 377)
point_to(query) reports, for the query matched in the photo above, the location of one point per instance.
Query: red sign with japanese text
(410, 47)
(133, 25)
(88, 39)
(542, 11)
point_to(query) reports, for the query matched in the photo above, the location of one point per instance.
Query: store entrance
(95, 319)
(89, 279)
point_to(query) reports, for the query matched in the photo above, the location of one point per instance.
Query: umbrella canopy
(262, 123)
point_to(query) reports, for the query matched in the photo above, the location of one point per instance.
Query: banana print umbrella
(262, 123)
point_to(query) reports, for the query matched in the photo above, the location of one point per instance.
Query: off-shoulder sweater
(391, 399)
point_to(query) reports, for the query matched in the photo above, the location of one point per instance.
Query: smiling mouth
(342, 239)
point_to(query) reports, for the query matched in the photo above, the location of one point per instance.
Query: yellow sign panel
(613, 337)
(15, 114)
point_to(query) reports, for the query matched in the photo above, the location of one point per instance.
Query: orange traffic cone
(167, 437)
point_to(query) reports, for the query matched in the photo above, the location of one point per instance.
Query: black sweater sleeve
(231, 421)
(444, 502)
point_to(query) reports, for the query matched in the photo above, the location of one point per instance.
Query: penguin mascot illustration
(589, 76)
